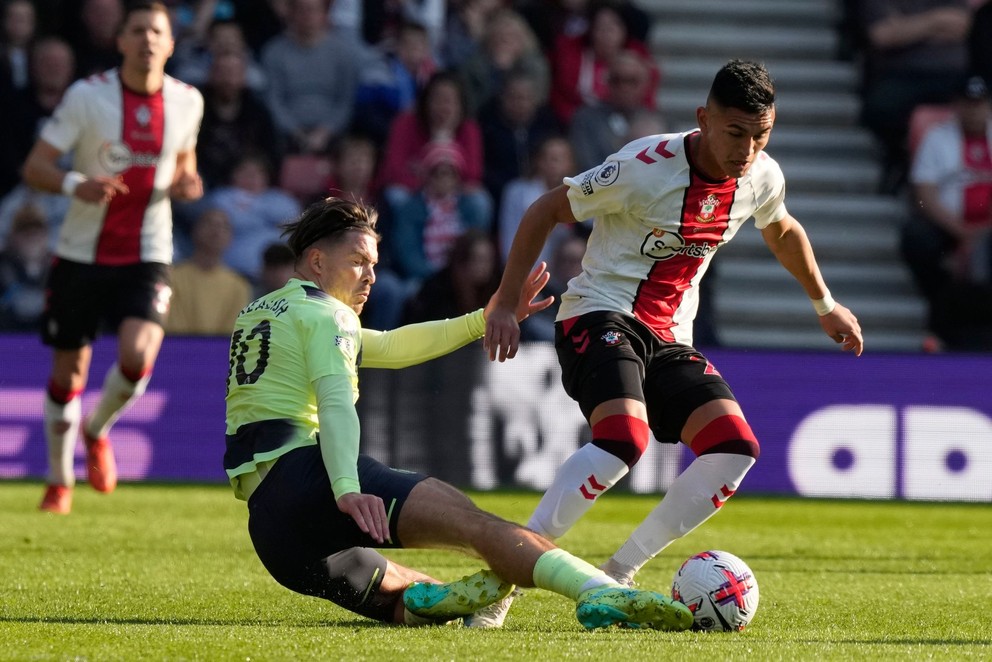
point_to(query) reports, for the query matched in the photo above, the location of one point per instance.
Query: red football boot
(101, 469)
(57, 499)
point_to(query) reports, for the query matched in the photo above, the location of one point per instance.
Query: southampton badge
(707, 209)
(612, 338)
(143, 115)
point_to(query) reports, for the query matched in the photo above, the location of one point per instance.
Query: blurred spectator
(207, 295)
(980, 42)
(580, 65)
(463, 284)
(192, 19)
(235, 122)
(23, 111)
(439, 115)
(378, 22)
(194, 58)
(278, 266)
(916, 51)
(508, 46)
(95, 44)
(24, 264)
(18, 30)
(312, 76)
(260, 21)
(947, 242)
(565, 264)
(553, 161)
(464, 28)
(353, 169)
(391, 86)
(53, 206)
(513, 124)
(426, 227)
(645, 123)
(551, 19)
(256, 210)
(603, 127)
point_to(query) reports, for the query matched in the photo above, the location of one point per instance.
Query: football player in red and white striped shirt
(662, 206)
(132, 134)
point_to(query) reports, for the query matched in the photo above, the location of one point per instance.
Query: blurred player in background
(662, 206)
(316, 508)
(132, 132)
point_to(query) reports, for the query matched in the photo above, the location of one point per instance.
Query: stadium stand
(830, 162)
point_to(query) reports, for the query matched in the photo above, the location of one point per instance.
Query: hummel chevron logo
(727, 493)
(660, 149)
(591, 488)
(581, 341)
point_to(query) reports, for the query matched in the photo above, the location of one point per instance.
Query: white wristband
(71, 180)
(824, 306)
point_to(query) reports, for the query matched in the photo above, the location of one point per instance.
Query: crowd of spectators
(449, 116)
(927, 70)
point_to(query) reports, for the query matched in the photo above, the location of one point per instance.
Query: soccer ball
(719, 589)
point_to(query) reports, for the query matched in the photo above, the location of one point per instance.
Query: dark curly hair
(329, 219)
(745, 86)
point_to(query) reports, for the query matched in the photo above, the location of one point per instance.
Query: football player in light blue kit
(317, 508)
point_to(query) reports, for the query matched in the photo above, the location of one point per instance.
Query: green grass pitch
(165, 572)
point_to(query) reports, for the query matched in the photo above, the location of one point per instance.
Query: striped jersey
(657, 223)
(113, 131)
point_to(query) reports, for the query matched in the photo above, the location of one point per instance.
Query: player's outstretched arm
(502, 325)
(788, 241)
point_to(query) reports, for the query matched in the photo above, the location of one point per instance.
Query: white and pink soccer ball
(719, 589)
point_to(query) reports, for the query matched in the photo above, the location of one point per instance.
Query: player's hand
(503, 323)
(502, 331)
(368, 512)
(187, 187)
(536, 281)
(99, 190)
(841, 325)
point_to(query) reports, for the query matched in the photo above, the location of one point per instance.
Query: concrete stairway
(830, 164)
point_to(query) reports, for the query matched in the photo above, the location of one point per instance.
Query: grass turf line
(168, 572)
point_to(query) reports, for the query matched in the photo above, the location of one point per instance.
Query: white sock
(693, 498)
(589, 472)
(61, 428)
(117, 395)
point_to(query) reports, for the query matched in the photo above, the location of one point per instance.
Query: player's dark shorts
(295, 524)
(607, 355)
(85, 299)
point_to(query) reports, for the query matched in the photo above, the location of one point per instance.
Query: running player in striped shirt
(132, 134)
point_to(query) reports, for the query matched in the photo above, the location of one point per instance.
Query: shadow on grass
(72, 620)
(910, 642)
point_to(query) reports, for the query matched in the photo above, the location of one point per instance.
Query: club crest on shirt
(707, 209)
(346, 321)
(612, 338)
(143, 115)
(607, 173)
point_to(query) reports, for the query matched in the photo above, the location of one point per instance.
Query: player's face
(732, 139)
(145, 41)
(349, 270)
